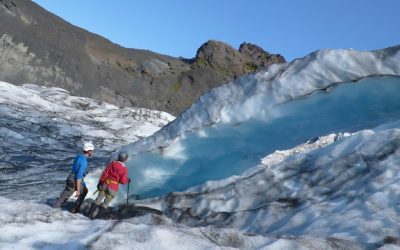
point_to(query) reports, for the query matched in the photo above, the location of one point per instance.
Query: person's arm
(124, 178)
(82, 165)
(78, 187)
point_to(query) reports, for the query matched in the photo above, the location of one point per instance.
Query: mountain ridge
(39, 47)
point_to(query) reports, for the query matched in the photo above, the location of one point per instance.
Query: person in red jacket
(115, 173)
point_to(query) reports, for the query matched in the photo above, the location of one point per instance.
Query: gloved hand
(129, 180)
(99, 185)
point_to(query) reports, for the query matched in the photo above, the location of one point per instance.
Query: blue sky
(293, 28)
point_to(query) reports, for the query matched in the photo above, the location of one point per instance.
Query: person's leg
(96, 203)
(80, 200)
(68, 191)
(110, 194)
(100, 196)
(63, 197)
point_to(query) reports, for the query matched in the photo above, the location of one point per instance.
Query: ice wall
(226, 149)
(232, 127)
(347, 189)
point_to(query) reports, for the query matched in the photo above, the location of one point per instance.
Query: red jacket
(114, 174)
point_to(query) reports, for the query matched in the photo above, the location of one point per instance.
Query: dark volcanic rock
(41, 48)
(231, 62)
(258, 56)
(220, 56)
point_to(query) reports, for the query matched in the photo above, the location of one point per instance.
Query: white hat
(88, 146)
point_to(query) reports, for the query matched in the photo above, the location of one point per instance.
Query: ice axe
(135, 196)
(127, 195)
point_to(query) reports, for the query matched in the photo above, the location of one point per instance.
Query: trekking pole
(127, 196)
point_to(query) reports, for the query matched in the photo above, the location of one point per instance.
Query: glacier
(303, 155)
(347, 189)
(232, 127)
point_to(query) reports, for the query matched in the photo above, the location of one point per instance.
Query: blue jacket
(79, 167)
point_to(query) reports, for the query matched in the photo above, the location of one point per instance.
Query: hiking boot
(75, 210)
(92, 210)
(102, 212)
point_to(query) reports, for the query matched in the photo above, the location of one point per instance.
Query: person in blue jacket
(75, 182)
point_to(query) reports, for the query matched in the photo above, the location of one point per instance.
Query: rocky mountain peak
(217, 54)
(226, 59)
(252, 49)
(259, 56)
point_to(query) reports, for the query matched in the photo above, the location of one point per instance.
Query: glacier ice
(29, 225)
(347, 189)
(41, 130)
(231, 128)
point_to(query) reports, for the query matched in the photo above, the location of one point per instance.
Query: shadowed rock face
(41, 48)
